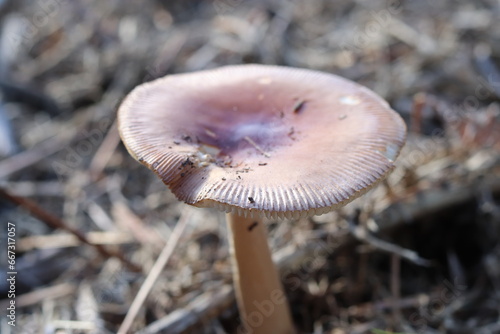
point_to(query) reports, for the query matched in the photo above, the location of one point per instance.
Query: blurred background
(418, 254)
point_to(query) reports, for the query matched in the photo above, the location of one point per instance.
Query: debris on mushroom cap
(262, 140)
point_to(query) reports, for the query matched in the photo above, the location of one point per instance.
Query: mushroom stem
(261, 300)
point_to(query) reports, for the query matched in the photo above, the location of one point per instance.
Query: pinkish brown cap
(262, 140)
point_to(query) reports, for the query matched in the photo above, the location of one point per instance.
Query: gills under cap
(262, 140)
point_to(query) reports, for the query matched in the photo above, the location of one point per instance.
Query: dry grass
(418, 254)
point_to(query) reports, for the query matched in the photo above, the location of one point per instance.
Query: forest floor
(418, 254)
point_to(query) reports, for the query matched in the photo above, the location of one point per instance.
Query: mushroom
(261, 141)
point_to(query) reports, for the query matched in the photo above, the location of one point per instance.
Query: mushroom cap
(262, 140)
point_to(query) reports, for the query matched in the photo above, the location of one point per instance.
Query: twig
(36, 188)
(35, 297)
(33, 155)
(425, 44)
(56, 222)
(362, 234)
(73, 325)
(155, 272)
(127, 220)
(54, 56)
(69, 240)
(396, 287)
(416, 113)
(202, 308)
(257, 147)
(104, 153)
(369, 309)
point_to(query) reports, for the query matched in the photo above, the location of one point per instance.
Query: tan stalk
(259, 292)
